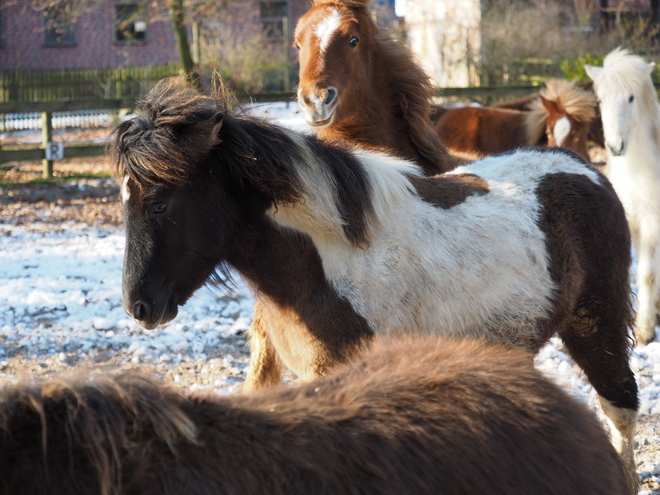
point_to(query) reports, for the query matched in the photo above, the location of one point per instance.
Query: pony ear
(593, 71)
(199, 138)
(550, 106)
(649, 68)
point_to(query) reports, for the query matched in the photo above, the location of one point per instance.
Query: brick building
(114, 33)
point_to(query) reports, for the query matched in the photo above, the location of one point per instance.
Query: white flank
(326, 28)
(561, 130)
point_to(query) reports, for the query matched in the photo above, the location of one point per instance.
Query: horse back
(482, 131)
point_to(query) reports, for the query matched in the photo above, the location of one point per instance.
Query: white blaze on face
(561, 130)
(326, 28)
(125, 192)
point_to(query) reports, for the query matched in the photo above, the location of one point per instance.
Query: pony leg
(601, 348)
(648, 284)
(265, 365)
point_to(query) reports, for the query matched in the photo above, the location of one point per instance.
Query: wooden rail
(46, 108)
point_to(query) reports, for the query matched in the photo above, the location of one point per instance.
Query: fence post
(197, 44)
(46, 137)
(285, 35)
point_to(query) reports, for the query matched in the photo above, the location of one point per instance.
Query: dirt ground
(94, 200)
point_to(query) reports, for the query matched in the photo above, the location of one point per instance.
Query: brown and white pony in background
(560, 115)
(595, 127)
(339, 245)
(360, 86)
(410, 417)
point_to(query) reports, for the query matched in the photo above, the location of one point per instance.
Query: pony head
(332, 38)
(187, 163)
(563, 111)
(625, 91)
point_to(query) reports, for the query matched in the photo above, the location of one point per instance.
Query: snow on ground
(60, 299)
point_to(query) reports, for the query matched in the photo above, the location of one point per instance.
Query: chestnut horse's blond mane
(574, 100)
(413, 91)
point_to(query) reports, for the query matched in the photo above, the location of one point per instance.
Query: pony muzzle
(149, 315)
(318, 107)
(617, 150)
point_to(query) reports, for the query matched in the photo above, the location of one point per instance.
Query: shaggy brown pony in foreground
(410, 417)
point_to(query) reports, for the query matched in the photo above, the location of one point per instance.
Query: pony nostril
(331, 94)
(140, 310)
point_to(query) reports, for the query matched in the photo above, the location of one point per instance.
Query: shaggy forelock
(577, 102)
(624, 70)
(172, 131)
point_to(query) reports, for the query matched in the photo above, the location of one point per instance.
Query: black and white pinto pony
(631, 124)
(408, 417)
(341, 244)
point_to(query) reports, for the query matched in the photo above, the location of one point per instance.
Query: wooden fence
(77, 85)
(46, 109)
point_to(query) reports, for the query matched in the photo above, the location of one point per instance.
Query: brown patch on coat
(410, 417)
(588, 242)
(449, 190)
(296, 305)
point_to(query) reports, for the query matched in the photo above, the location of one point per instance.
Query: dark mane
(177, 128)
(171, 130)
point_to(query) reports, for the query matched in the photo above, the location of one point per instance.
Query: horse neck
(385, 123)
(645, 139)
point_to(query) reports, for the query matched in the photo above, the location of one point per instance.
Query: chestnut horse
(338, 244)
(360, 86)
(595, 127)
(410, 417)
(560, 115)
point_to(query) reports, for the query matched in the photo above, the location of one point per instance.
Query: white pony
(631, 122)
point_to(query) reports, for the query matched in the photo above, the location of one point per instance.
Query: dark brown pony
(410, 417)
(560, 115)
(339, 244)
(361, 86)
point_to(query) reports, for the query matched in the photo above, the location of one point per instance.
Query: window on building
(130, 23)
(59, 25)
(271, 18)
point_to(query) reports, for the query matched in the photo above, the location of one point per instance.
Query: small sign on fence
(54, 151)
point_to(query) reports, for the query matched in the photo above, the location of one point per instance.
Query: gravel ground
(95, 202)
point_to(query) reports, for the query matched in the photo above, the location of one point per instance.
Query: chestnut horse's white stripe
(326, 28)
(561, 130)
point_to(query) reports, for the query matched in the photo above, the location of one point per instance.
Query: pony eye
(353, 43)
(297, 45)
(632, 97)
(160, 208)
